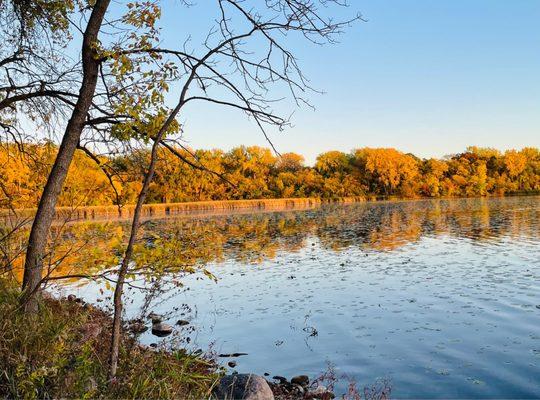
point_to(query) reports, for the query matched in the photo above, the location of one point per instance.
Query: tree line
(123, 93)
(255, 172)
(127, 86)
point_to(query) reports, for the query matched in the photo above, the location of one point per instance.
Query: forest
(256, 173)
(96, 103)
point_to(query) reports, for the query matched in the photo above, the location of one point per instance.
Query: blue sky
(424, 76)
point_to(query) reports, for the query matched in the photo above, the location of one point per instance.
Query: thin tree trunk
(118, 290)
(33, 267)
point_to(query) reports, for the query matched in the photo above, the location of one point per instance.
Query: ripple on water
(439, 296)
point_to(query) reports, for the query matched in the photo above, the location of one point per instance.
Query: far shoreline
(219, 207)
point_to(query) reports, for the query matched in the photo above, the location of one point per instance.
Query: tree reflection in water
(177, 246)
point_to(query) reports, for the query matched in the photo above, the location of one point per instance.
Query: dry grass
(62, 352)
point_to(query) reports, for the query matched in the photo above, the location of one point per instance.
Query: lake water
(440, 298)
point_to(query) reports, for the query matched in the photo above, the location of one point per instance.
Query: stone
(137, 327)
(231, 364)
(243, 386)
(182, 322)
(156, 318)
(71, 297)
(161, 329)
(297, 390)
(320, 393)
(302, 380)
(281, 379)
(232, 354)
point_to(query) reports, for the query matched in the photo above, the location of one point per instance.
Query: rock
(137, 327)
(321, 393)
(47, 295)
(281, 379)
(182, 322)
(302, 380)
(153, 345)
(72, 297)
(231, 364)
(297, 390)
(156, 318)
(243, 386)
(232, 354)
(161, 329)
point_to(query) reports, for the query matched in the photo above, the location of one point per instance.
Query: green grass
(51, 355)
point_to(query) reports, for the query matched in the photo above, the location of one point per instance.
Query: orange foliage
(256, 173)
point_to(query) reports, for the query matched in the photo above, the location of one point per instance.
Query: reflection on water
(440, 296)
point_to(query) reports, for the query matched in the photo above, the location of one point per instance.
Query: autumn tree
(225, 71)
(386, 170)
(433, 177)
(115, 84)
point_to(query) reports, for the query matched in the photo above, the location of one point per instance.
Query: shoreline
(76, 331)
(153, 210)
(216, 207)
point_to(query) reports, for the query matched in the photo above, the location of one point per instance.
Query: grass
(62, 352)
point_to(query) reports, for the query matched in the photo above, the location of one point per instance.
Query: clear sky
(424, 76)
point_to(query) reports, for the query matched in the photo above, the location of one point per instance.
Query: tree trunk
(33, 267)
(118, 290)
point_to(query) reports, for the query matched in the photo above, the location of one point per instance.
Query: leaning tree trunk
(118, 290)
(33, 267)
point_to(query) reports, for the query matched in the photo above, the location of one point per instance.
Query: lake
(439, 298)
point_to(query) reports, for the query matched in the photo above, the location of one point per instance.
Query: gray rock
(281, 379)
(156, 318)
(297, 390)
(161, 329)
(302, 380)
(182, 322)
(321, 393)
(137, 327)
(243, 386)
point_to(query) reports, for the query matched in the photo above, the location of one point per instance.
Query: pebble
(301, 380)
(161, 329)
(281, 379)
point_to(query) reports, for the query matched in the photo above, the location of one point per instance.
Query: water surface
(440, 297)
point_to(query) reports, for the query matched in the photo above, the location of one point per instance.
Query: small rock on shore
(161, 329)
(243, 386)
